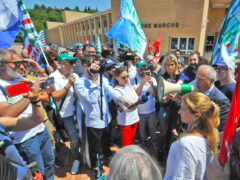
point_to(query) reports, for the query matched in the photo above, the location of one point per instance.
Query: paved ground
(85, 173)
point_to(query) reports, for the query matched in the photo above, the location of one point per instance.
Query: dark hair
(195, 53)
(87, 59)
(117, 73)
(85, 46)
(178, 50)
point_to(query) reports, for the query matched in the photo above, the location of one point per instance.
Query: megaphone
(164, 88)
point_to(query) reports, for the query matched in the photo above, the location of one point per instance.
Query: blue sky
(100, 4)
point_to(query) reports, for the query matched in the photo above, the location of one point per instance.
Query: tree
(77, 9)
(96, 9)
(43, 6)
(67, 9)
(36, 6)
(85, 9)
(89, 9)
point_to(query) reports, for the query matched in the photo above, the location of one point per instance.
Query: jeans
(74, 139)
(149, 121)
(39, 149)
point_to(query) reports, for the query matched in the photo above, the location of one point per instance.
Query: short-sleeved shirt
(149, 106)
(60, 81)
(187, 76)
(21, 136)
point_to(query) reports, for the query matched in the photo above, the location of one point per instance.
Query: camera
(105, 65)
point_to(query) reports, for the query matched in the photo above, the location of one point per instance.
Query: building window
(183, 43)
(99, 24)
(92, 25)
(83, 28)
(105, 23)
(210, 43)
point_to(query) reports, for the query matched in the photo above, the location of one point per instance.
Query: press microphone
(141, 100)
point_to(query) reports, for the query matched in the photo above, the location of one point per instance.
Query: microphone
(141, 100)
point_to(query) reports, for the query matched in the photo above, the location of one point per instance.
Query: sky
(61, 4)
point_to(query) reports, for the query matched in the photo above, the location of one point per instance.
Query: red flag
(150, 48)
(231, 124)
(157, 44)
(86, 41)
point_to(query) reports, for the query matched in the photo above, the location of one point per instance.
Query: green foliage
(41, 14)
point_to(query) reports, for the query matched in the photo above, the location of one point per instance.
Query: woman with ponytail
(189, 156)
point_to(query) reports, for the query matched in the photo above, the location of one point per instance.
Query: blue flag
(128, 30)
(10, 21)
(226, 48)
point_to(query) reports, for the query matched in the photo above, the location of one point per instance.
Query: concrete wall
(51, 25)
(69, 16)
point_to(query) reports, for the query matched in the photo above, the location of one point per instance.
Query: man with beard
(205, 78)
(189, 73)
(34, 144)
(153, 65)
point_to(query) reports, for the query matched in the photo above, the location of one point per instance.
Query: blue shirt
(89, 96)
(187, 76)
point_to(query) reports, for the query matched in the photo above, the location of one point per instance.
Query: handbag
(61, 131)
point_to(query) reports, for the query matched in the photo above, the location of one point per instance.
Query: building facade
(184, 24)
(77, 26)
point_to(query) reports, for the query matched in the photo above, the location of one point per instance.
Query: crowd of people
(97, 100)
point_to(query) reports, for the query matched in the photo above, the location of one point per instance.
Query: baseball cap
(65, 56)
(141, 63)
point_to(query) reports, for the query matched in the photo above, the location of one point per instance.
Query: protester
(168, 111)
(189, 156)
(225, 82)
(20, 124)
(97, 114)
(127, 118)
(63, 93)
(34, 143)
(145, 84)
(132, 162)
(205, 78)
(156, 68)
(189, 73)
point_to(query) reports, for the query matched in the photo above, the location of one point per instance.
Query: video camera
(124, 55)
(105, 66)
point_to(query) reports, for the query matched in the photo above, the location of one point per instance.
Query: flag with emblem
(226, 51)
(29, 34)
(41, 37)
(99, 47)
(128, 29)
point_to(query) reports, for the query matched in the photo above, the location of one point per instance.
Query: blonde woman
(189, 156)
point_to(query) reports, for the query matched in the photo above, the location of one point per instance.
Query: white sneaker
(75, 167)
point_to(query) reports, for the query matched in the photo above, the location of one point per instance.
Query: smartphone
(17, 89)
(49, 82)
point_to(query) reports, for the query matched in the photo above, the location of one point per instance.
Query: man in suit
(205, 78)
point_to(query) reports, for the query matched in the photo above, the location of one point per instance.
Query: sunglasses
(52, 61)
(71, 62)
(18, 63)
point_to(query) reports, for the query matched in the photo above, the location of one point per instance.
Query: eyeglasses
(220, 69)
(18, 63)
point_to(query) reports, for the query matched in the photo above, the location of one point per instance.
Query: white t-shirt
(188, 159)
(149, 106)
(130, 117)
(60, 81)
(21, 136)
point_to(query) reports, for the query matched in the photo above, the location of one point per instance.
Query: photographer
(145, 84)
(35, 143)
(63, 94)
(88, 89)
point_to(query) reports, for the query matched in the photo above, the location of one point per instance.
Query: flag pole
(43, 53)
